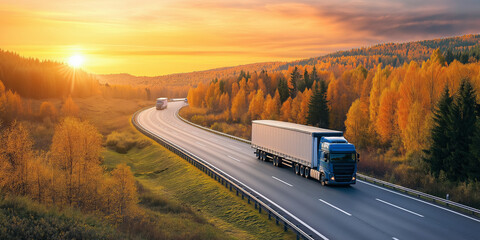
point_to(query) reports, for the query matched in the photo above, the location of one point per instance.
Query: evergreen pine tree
(318, 113)
(474, 168)
(283, 89)
(460, 131)
(313, 78)
(294, 78)
(449, 56)
(438, 150)
(306, 78)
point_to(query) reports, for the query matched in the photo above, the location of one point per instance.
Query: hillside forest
(401, 119)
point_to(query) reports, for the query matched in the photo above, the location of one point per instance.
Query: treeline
(32, 78)
(393, 54)
(387, 112)
(35, 79)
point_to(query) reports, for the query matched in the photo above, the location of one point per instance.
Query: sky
(158, 37)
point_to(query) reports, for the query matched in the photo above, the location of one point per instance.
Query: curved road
(362, 211)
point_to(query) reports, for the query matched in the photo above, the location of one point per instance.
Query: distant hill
(394, 54)
(192, 78)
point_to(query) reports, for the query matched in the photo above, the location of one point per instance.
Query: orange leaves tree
(256, 105)
(357, 124)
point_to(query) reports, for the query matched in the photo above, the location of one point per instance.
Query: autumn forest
(411, 109)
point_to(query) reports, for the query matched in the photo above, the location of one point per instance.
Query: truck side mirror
(326, 157)
(358, 157)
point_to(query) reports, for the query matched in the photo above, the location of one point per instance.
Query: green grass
(21, 218)
(180, 187)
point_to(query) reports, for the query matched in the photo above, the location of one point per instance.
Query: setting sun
(76, 61)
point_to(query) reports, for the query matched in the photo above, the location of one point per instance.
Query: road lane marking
(280, 180)
(246, 186)
(394, 238)
(431, 204)
(233, 158)
(335, 207)
(393, 205)
(260, 195)
(201, 144)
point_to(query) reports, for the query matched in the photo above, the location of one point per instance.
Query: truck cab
(337, 161)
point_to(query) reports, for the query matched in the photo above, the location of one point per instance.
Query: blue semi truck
(312, 152)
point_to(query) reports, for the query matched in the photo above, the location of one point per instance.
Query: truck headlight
(332, 178)
(353, 178)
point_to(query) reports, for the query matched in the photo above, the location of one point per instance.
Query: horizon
(156, 39)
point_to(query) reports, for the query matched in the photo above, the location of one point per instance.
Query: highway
(361, 211)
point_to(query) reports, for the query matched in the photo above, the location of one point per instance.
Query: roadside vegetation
(100, 190)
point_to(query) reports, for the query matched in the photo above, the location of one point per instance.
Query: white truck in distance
(161, 103)
(312, 152)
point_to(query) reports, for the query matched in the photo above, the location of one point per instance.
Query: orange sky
(162, 37)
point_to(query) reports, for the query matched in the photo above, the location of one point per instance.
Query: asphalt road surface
(361, 211)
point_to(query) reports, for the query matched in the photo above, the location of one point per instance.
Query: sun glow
(76, 61)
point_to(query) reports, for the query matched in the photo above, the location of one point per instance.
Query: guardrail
(419, 194)
(230, 183)
(435, 199)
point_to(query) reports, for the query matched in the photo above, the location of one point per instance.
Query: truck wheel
(279, 161)
(262, 156)
(302, 170)
(307, 172)
(322, 179)
(274, 161)
(297, 168)
(259, 152)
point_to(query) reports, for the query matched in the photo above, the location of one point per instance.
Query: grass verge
(179, 183)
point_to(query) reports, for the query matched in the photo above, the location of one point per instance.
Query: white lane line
(249, 188)
(201, 144)
(393, 205)
(233, 158)
(260, 195)
(335, 207)
(394, 238)
(280, 180)
(431, 204)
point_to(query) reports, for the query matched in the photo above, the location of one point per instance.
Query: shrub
(122, 142)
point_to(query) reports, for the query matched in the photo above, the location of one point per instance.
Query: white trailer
(305, 148)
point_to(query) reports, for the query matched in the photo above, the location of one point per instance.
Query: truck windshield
(342, 157)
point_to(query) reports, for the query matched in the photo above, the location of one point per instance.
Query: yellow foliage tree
(121, 193)
(303, 113)
(272, 107)
(239, 105)
(285, 111)
(15, 156)
(75, 150)
(256, 105)
(357, 124)
(386, 124)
